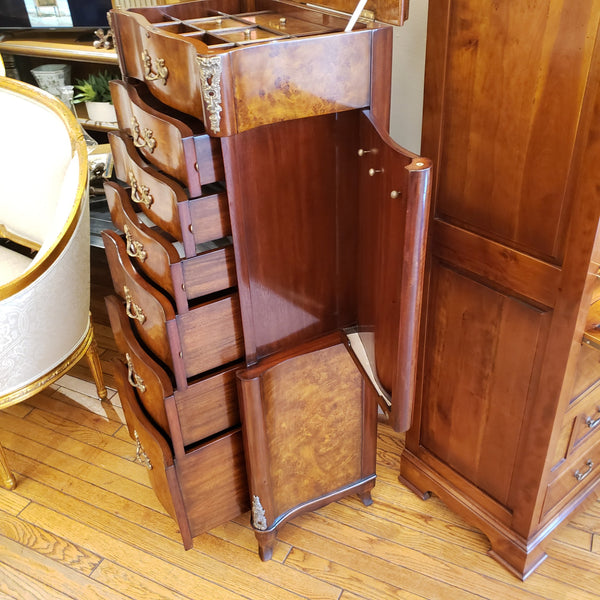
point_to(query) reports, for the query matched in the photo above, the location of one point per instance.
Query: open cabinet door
(394, 196)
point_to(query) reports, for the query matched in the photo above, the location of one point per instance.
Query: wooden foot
(366, 498)
(94, 361)
(266, 543)
(7, 479)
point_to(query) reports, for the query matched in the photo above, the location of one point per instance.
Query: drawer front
(167, 64)
(580, 471)
(208, 406)
(183, 279)
(155, 194)
(143, 374)
(186, 153)
(146, 308)
(152, 450)
(587, 422)
(204, 338)
(150, 252)
(213, 482)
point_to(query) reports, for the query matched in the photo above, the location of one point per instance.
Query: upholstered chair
(45, 325)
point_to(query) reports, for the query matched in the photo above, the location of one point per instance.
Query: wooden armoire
(506, 429)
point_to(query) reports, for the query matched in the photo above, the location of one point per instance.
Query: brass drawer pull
(140, 454)
(134, 379)
(591, 423)
(160, 72)
(132, 309)
(140, 194)
(135, 249)
(142, 139)
(581, 476)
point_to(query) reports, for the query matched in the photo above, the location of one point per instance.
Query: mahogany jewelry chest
(269, 266)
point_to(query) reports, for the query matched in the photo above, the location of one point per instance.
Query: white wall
(408, 68)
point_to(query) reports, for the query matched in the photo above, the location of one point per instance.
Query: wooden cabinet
(254, 169)
(505, 427)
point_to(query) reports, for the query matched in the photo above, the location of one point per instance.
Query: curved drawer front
(184, 279)
(204, 409)
(152, 451)
(150, 381)
(147, 308)
(190, 343)
(182, 150)
(155, 194)
(150, 252)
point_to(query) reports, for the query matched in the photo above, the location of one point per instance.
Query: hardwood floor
(84, 524)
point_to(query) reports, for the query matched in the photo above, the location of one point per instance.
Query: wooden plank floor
(84, 524)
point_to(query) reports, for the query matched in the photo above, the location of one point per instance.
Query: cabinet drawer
(192, 221)
(587, 421)
(579, 471)
(206, 408)
(201, 489)
(142, 372)
(155, 194)
(184, 279)
(179, 146)
(204, 338)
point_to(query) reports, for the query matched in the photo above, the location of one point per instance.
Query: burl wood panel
(299, 78)
(313, 416)
(506, 105)
(477, 378)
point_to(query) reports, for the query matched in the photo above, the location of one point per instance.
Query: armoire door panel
(481, 350)
(498, 144)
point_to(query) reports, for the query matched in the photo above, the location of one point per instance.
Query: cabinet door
(393, 220)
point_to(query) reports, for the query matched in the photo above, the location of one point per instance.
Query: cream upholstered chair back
(44, 299)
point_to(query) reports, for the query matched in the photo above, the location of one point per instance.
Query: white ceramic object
(52, 77)
(101, 112)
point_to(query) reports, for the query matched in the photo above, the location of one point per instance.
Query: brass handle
(141, 138)
(140, 194)
(581, 476)
(135, 249)
(134, 379)
(591, 423)
(160, 72)
(140, 454)
(132, 309)
(373, 172)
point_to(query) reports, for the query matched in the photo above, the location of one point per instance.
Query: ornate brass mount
(134, 379)
(210, 78)
(142, 139)
(132, 309)
(140, 194)
(140, 454)
(135, 249)
(156, 73)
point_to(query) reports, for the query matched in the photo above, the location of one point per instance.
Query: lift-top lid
(394, 12)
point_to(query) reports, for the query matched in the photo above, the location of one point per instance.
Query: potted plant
(95, 92)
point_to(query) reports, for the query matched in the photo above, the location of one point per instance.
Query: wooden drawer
(201, 489)
(188, 67)
(206, 337)
(176, 145)
(187, 416)
(184, 279)
(581, 470)
(191, 221)
(587, 421)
